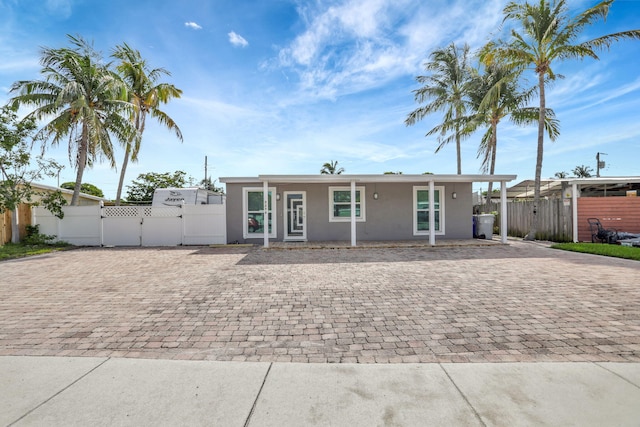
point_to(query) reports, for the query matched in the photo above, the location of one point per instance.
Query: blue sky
(283, 86)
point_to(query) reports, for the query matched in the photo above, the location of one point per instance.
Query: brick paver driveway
(521, 302)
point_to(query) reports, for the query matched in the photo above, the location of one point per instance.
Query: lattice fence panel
(158, 212)
(121, 211)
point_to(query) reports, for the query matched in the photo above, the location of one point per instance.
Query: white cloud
(60, 8)
(237, 40)
(356, 45)
(192, 25)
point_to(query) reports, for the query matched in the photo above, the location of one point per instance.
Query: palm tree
(83, 101)
(545, 34)
(582, 171)
(331, 168)
(495, 95)
(146, 95)
(561, 175)
(446, 87)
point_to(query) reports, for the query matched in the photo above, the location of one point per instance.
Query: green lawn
(11, 250)
(616, 251)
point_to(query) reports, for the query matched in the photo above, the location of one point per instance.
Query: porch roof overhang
(372, 178)
(605, 180)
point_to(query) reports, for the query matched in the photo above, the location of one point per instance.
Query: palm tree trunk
(123, 171)
(536, 191)
(82, 162)
(458, 156)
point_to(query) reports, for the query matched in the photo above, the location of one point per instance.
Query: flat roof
(525, 188)
(342, 178)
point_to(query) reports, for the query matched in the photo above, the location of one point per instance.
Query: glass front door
(296, 216)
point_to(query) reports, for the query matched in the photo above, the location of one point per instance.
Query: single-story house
(24, 210)
(83, 199)
(353, 207)
(613, 200)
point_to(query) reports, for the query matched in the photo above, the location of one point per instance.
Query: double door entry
(295, 221)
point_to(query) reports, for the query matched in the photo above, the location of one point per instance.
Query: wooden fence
(554, 219)
(620, 213)
(24, 212)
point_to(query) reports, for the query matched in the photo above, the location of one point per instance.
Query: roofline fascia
(367, 178)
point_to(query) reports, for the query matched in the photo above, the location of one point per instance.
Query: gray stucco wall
(388, 218)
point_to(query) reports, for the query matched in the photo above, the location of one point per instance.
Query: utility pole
(205, 171)
(600, 164)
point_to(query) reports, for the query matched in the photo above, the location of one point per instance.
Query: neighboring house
(353, 207)
(614, 201)
(83, 200)
(24, 210)
(568, 203)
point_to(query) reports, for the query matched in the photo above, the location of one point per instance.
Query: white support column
(101, 224)
(574, 211)
(265, 218)
(432, 213)
(503, 212)
(353, 213)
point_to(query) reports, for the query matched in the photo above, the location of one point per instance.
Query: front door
(295, 221)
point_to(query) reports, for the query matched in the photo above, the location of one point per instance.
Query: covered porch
(383, 208)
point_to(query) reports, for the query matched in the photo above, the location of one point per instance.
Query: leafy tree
(447, 88)
(210, 185)
(141, 189)
(392, 173)
(16, 173)
(331, 168)
(544, 34)
(146, 95)
(83, 101)
(582, 171)
(85, 188)
(561, 175)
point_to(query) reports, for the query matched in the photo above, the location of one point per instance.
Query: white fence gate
(136, 225)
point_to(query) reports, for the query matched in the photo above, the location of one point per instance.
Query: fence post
(182, 223)
(101, 223)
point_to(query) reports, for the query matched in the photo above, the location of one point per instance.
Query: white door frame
(286, 216)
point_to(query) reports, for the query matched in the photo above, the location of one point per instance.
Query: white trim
(285, 208)
(574, 211)
(265, 215)
(346, 179)
(363, 212)
(503, 212)
(353, 197)
(414, 210)
(245, 213)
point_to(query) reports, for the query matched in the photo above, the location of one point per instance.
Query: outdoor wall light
(277, 196)
(375, 196)
(454, 195)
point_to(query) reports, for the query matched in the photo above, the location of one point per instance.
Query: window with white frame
(421, 210)
(253, 213)
(340, 204)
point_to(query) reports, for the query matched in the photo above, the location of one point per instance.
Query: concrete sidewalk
(68, 391)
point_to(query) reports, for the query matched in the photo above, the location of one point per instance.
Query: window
(421, 210)
(253, 213)
(340, 204)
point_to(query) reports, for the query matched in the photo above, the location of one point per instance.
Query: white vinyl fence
(136, 225)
